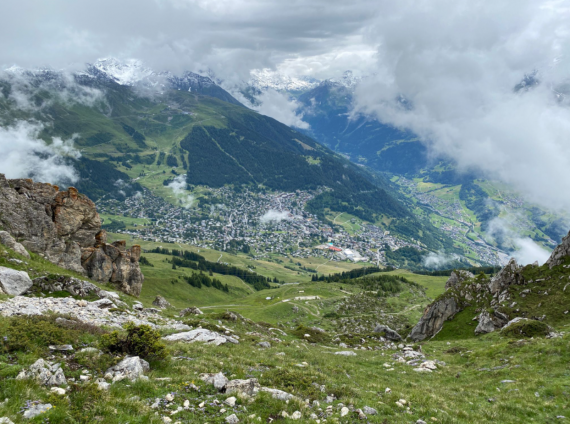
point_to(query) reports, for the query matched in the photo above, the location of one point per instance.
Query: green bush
(294, 381)
(31, 333)
(141, 340)
(315, 336)
(526, 328)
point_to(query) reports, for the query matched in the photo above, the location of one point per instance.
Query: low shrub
(526, 328)
(139, 340)
(315, 336)
(30, 333)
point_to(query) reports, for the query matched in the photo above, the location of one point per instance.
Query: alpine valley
(168, 254)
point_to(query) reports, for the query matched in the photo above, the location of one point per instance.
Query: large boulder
(388, 332)
(433, 318)
(485, 323)
(65, 228)
(131, 368)
(201, 335)
(161, 302)
(7, 240)
(457, 277)
(14, 282)
(46, 373)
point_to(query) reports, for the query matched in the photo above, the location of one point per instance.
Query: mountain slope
(123, 129)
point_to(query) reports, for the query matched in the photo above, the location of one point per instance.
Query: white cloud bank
(273, 215)
(278, 106)
(447, 70)
(527, 252)
(438, 260)
(178, 186)
(24, 155)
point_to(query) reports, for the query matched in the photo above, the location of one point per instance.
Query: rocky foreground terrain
(65, 228)
(77, 346)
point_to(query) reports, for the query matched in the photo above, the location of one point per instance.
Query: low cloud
(527, 252)
(273, 215)
(280, 107)
(26, 87)
(439, 260)
(178, 186)
(461, 75)
(25, 155)
(523, 249)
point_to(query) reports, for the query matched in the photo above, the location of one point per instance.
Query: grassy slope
(465, 393)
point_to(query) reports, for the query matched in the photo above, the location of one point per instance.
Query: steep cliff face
(65, 228)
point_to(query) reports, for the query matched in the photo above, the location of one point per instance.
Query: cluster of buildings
(261, 224)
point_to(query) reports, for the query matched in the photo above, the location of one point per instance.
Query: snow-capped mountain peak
(128, 72)
(348, 79)
(264, 79)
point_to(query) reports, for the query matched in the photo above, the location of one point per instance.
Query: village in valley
(260, 224)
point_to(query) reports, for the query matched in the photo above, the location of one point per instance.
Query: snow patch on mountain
(128, 72)
(264, 79)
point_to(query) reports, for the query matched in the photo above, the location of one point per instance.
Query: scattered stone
(61, 348)
(218, 380)
(5, 420)
(231, 401)
(369, 411)
(58, 391)
(264, 345)
(296, 415)
(344, 411)
(201, 335)
(102, 384)
(14, 283)
(36, 410)
(248, 387)
(161, 302)
(232, 419)
(191, 311)
(104, 304)
(47, 374)
(508, 381)
(388, 333)
(169, 397)
(345, 353)
(130, 368)
(278, 394)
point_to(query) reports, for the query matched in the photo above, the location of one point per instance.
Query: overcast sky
(455, 62)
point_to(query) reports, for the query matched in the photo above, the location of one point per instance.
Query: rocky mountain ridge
(515, 293)
(64, 227)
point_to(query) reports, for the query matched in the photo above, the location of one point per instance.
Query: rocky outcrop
(457, 277)
(390, 334)
(560, 253)
(14, 282)
(490, 321)
(65, 228)
(509, 275)
(433, 318)
(7, 240)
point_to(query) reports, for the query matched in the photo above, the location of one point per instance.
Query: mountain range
(128, 120)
